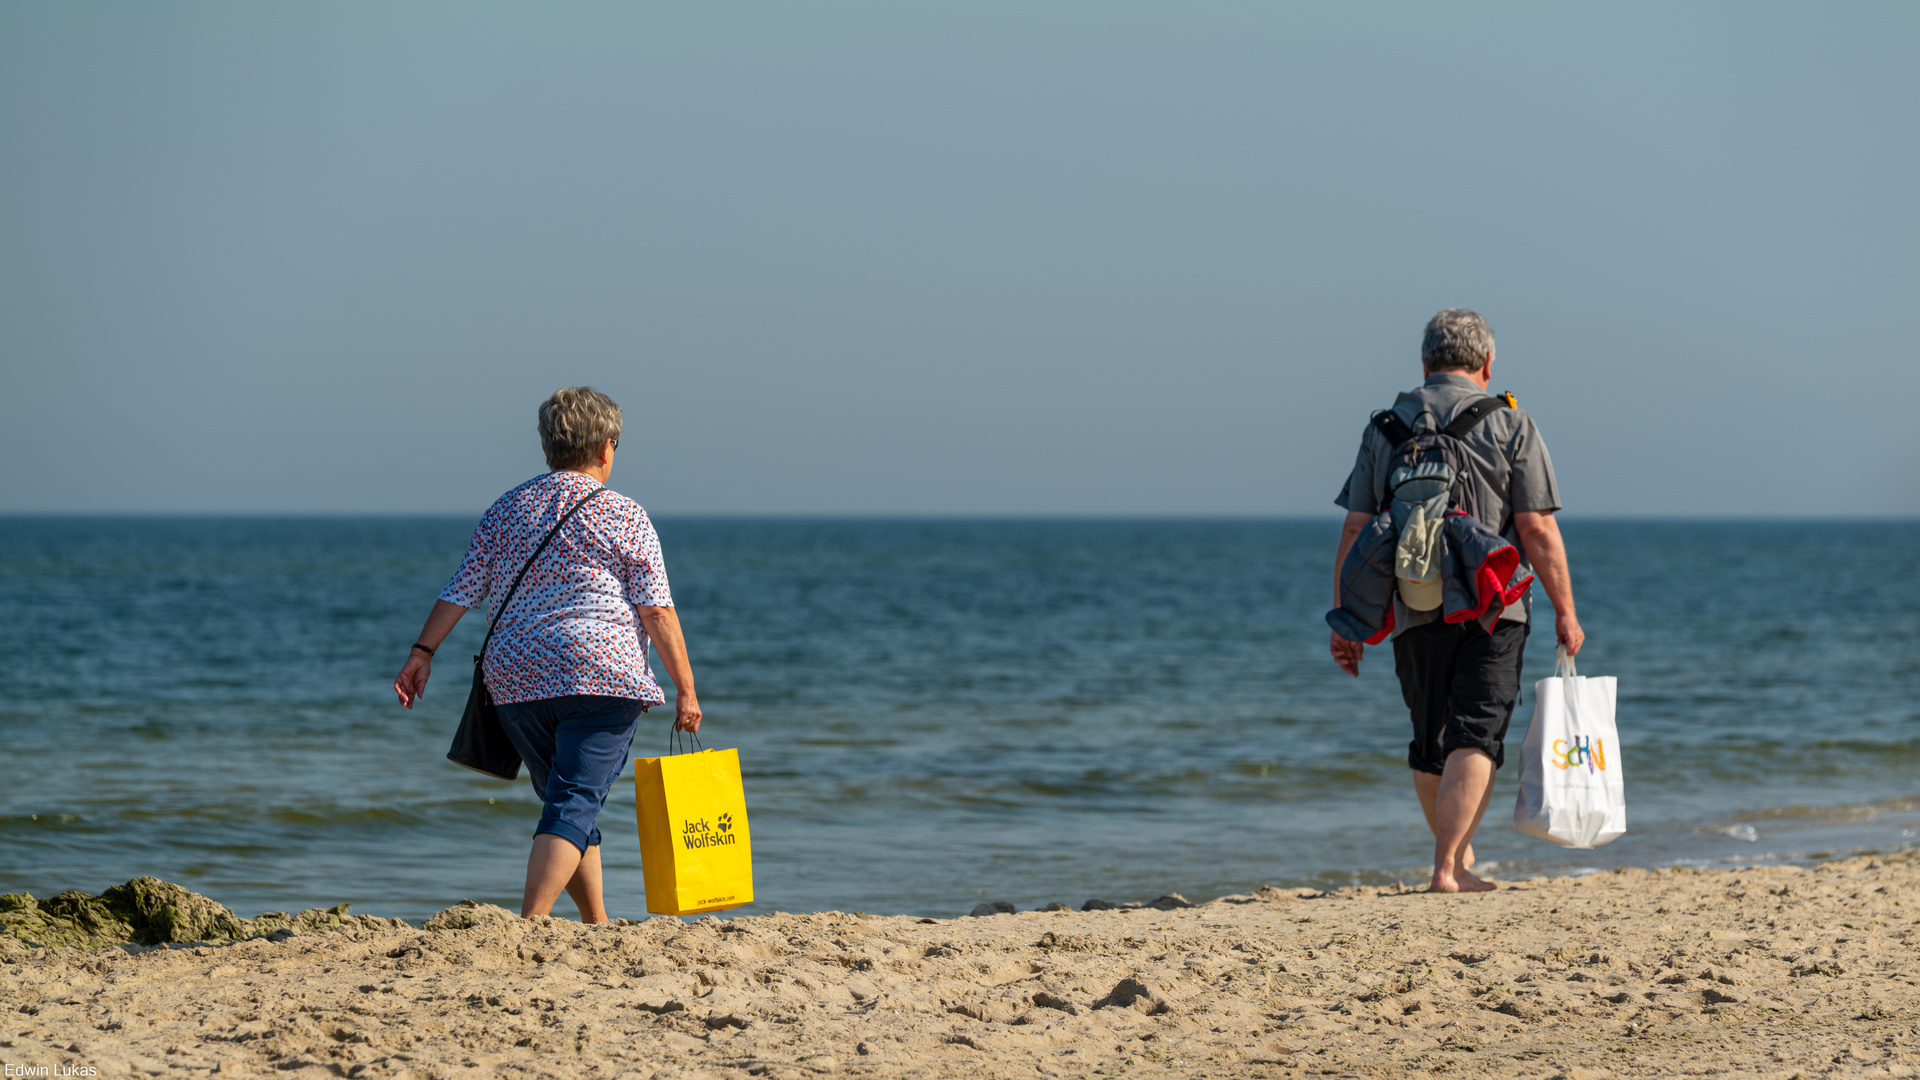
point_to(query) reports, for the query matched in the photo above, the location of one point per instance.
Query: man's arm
(1540, 538)
(1347, 653)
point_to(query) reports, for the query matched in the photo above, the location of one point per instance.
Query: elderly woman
(567, 665)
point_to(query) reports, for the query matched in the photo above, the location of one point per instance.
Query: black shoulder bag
(481, 744)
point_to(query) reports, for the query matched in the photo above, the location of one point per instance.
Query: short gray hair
(1457, 339)
(574, 424)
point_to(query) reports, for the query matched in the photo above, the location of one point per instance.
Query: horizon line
(775, 515)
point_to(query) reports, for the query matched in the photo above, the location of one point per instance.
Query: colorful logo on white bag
(1581, 750)
(698, 834)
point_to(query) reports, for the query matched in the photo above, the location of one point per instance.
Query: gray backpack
(1429, 475)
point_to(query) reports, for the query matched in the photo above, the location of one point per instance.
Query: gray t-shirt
(1511, 471)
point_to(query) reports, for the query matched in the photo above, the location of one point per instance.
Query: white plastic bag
(1571, 789)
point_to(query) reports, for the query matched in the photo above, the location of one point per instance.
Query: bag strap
(1469, 418)
(1394, 428)
(673, 740)
(551, 533)
(1563, 664)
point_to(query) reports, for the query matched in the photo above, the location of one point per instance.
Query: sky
(949, 259)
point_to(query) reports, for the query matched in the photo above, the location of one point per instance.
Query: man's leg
(1484, 689)
(1423, 659)
(1461, 797)
(1426, 787)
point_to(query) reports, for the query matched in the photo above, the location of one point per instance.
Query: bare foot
(1458, 881)
(1467, 862)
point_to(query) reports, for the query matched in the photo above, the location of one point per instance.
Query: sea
(930, 714)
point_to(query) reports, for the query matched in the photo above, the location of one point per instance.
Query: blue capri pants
(575, 747)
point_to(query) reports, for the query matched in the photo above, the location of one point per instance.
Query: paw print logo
(725, 824)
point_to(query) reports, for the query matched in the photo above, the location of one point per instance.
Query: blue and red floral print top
(572, 627)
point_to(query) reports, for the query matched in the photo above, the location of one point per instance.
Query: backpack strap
(1394, 428)
(1469, 418)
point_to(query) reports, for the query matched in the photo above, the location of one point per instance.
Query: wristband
(424, 649)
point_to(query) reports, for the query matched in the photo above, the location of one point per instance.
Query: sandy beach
(1774, 971)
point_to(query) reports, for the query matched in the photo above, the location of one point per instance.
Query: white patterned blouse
(572, 628)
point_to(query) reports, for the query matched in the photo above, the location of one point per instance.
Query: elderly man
(1460, 680)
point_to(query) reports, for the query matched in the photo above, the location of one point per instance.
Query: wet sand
(1757, 972)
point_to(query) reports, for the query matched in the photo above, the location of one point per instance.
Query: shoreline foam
(1759, 971)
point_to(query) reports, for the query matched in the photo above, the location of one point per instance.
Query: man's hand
(411, 683)
(1347, 654)
(686, 711)
(1567, 629)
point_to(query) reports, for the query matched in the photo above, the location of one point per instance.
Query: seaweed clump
(468, 915)
(148, 911)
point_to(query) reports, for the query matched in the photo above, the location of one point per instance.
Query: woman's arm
(411, 683)
(663, 628)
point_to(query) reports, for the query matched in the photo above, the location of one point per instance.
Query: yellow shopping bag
(695, 851)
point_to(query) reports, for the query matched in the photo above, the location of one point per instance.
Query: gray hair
(1457, 339)
(574, 424)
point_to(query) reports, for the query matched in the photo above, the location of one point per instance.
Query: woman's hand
(412, 680)
(686, 711)
(411, 683)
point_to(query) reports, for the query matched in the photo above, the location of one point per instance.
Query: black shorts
(1461, 684)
